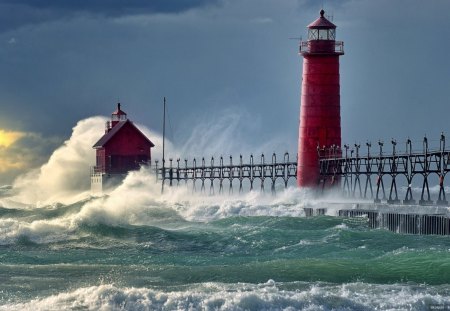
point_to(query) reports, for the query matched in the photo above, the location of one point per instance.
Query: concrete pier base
(405, 219)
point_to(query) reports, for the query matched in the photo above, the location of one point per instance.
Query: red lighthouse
(320, 120)
(121, 149)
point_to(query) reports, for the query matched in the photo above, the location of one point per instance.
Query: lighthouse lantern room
(121, 149)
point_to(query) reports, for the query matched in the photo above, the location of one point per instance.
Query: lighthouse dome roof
(322, 22)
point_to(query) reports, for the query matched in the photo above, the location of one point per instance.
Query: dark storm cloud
(113, 6)
(16, 13)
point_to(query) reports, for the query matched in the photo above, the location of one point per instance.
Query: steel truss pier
(377, 175)
(203, 175)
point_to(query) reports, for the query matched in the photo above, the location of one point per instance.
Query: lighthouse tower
(320, 118)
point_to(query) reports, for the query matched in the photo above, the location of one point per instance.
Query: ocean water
(136, 249)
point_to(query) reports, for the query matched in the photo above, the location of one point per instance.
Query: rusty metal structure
(320, 121)
(203, 175)
(377, 175)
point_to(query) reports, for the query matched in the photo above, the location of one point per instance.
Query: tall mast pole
(164, 140)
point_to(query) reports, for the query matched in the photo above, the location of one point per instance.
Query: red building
(122, 148)
(320, 110)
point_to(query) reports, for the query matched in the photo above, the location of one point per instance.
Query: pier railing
(377, 175)
(391, 176)
(202, 175)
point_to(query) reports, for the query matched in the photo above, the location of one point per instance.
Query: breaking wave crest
(266, 296)
(65, 178)
(137, 203)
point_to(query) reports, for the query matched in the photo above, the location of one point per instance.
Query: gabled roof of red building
(322, 22)
(107, 137)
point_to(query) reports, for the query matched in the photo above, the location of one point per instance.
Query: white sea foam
(138, 200)
(66, 175)
(138, 197)
(38, 231)
(341, 227)
(266, 296)
(5, 191)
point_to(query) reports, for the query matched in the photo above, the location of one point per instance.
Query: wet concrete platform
(405, 219)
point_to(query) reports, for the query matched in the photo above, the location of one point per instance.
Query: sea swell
(233, 249)
(188, 252)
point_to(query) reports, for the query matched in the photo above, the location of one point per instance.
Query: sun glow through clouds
(8, 160)
(7, 138)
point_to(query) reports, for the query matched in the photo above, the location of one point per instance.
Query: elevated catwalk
(429, 218)
(387, 176)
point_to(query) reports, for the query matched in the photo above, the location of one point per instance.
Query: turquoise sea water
(219, 254)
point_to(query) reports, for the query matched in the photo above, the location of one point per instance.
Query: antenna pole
(164, 140)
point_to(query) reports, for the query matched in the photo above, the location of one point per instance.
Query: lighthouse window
(312, 34)
(116, 117)
(332, 34)
(323, 34)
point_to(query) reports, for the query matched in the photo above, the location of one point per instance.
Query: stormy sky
(66, 60)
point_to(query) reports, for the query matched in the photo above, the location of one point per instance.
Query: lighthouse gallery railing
(305, 47)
